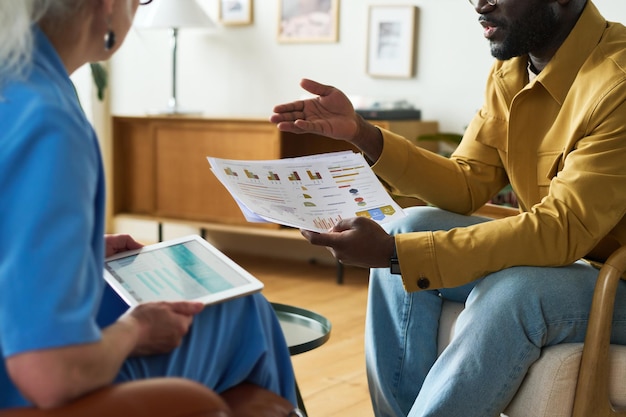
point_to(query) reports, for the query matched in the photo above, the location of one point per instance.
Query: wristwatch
(394, 264)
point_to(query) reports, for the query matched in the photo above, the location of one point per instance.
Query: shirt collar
(532, 73)
(48, 63)
(559, 74)
(47, 58)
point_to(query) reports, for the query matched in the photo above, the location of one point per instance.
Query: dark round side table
(304, 330)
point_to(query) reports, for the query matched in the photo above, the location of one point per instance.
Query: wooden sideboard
(160, 170)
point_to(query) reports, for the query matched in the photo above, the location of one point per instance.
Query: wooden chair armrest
(592, 390)
(249, 400)
(164, 397)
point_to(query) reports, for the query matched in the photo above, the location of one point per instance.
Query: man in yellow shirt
(553, 125)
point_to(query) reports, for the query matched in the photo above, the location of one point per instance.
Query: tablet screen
(187, 269)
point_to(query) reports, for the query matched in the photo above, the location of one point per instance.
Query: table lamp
(173, 15)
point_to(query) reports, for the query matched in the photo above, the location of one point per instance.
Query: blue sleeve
(51, 227)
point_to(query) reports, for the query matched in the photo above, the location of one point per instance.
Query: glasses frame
(144, 2)
(474, 3)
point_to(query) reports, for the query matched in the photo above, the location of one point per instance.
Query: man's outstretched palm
(330, 113)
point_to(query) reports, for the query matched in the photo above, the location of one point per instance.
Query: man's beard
(527, 34)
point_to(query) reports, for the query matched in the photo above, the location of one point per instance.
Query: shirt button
(423, 283)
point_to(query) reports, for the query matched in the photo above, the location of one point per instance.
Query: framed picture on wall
(391, 41)
(235, 12)
(308, 20)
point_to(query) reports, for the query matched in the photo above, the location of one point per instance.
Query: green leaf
(100, 78)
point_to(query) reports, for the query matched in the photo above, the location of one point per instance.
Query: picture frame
(314, 21)
(235, 12)
(391, 41)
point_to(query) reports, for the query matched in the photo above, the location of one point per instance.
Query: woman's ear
(107, 6)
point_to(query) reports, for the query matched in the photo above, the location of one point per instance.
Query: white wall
(244, 71)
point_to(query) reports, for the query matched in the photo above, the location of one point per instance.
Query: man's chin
(500, 53)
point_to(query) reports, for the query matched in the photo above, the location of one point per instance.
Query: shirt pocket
(489, 131)
(548, 165)
(485, 140)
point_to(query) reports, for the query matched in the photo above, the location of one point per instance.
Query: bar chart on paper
(313, 192)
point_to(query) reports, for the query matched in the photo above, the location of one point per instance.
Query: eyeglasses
(144, 2)
(475, 2)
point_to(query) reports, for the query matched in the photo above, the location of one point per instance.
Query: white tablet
(187, 268)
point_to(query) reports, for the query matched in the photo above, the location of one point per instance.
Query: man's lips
(490, 28)
(489, 31)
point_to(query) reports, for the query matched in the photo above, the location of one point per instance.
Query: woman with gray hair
(63, 332)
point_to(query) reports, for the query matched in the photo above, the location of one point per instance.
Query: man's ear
(576, 5)
(572, 2)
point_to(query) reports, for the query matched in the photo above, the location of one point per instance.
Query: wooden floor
(332, 377)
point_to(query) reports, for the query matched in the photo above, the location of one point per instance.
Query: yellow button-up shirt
(560, 140)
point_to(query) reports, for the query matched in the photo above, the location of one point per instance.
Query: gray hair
(16, 36)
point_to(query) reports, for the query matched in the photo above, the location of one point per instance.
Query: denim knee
(548, 304)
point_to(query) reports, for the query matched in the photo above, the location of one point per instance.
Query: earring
(109, 39)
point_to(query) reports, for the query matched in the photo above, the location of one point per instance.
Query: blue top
(52, 292)
(52, 190)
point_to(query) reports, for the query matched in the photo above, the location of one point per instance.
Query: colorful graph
(345, 174)
(272, 176)
(377, 213)
(314, 193)
(251, 175)
(313, 176)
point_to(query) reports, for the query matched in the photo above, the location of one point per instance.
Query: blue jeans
(509, 316)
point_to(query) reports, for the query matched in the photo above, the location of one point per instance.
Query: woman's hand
(162, 325)
(119, 243)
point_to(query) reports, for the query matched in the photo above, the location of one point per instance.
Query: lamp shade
(173, 14)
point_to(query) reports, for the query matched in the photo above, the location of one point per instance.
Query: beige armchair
(572, 379)
(167, 397)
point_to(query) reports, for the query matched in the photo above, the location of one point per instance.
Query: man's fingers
(314, 87)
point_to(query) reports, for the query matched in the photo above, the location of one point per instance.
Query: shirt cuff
(419, 267)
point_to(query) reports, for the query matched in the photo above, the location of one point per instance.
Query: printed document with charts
(310, 192)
